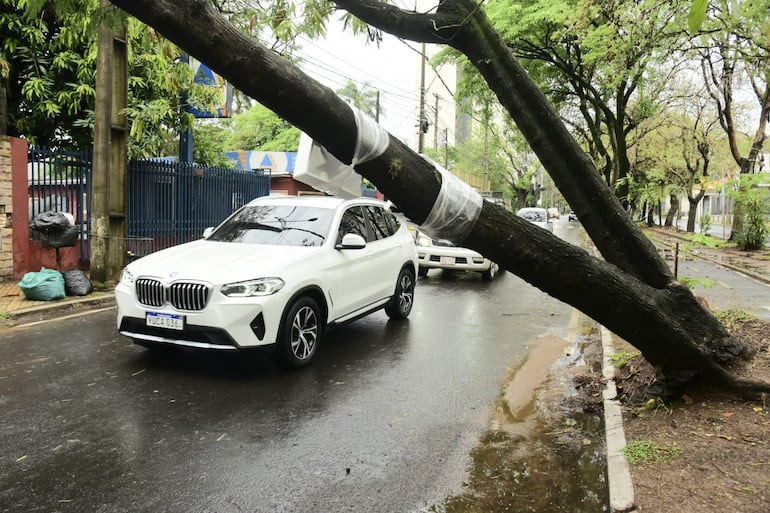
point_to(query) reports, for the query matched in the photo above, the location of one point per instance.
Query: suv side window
(352, 222)
(383, 223)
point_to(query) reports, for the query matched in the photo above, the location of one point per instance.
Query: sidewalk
(755, 264)
(14, 307)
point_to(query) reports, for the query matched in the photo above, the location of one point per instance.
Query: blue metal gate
(168, 202)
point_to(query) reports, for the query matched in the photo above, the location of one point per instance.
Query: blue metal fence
(168, 202)
(173, 202)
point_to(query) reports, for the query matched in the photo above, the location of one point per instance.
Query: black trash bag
(50, 221)
(53, 229)
(76, 283)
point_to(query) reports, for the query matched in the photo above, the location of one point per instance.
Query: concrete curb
(38, 312)
(618, 472)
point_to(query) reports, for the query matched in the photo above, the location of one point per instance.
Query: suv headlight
(260, 287)
(126, 277)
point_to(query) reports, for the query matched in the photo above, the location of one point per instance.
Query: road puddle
(544, 453)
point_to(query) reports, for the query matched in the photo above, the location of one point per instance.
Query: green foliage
(209, 137)
(647, 452)
(691, 283)
(755, 230)
(47, 66)
(363, 98)
(260, 129)
(700, 239)
(697, 15)
(705, 223)
(621, 359)
(753, 198)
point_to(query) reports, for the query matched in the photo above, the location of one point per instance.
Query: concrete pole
(435, 124)
(420, 133)
(109, 226)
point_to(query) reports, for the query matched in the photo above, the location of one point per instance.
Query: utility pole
(422, 120)
(186, 134)
(485, 183)
(109, 220)
(435, 124)
(446, 148)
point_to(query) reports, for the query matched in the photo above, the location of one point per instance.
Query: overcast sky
(390, 68)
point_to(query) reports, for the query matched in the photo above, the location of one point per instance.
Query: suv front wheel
(401, 302)
(301, 332)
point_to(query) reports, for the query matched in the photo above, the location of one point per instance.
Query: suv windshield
(277, 225)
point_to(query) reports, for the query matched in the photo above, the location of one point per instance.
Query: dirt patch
(708, 452)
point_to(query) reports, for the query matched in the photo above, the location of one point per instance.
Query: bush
(705, 223)
(755, 229)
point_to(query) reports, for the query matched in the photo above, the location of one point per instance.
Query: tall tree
(596, 61)
(632, 292)
(47, 66)
(258, 128)
(364, 98)
(735, 44)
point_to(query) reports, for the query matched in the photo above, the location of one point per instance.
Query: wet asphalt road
(383, 420)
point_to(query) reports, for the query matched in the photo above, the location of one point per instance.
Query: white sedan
(537, 216)
(278, 271)
(442, 254)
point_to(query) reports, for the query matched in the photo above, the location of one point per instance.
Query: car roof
(532, 209)
(314, 201)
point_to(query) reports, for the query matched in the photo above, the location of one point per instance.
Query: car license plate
(447, 260)
(164, 320)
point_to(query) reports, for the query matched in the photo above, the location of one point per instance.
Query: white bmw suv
(280, 270)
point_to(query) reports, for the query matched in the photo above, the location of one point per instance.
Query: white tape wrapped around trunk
(316, 167)
(456, 209)
(371, 140)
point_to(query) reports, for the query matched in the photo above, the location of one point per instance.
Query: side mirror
(207, 232)
(352, 241)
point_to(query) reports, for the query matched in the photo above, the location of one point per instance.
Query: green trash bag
(45, 285)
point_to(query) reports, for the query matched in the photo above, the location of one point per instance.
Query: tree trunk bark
(673, 211)
(693, 212)
(634, 294)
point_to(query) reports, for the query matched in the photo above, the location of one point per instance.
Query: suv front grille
(181, 295)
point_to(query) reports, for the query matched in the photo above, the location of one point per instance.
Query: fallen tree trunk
(644, 305)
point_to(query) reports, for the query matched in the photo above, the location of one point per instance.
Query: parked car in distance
(279, 271)
(553, 213)
(572, 216)
(442, 254)
(536, 216)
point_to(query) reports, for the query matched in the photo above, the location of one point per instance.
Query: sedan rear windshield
(277, 225)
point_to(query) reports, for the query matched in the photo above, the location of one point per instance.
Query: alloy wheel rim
(304, 333)
(405, 297)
